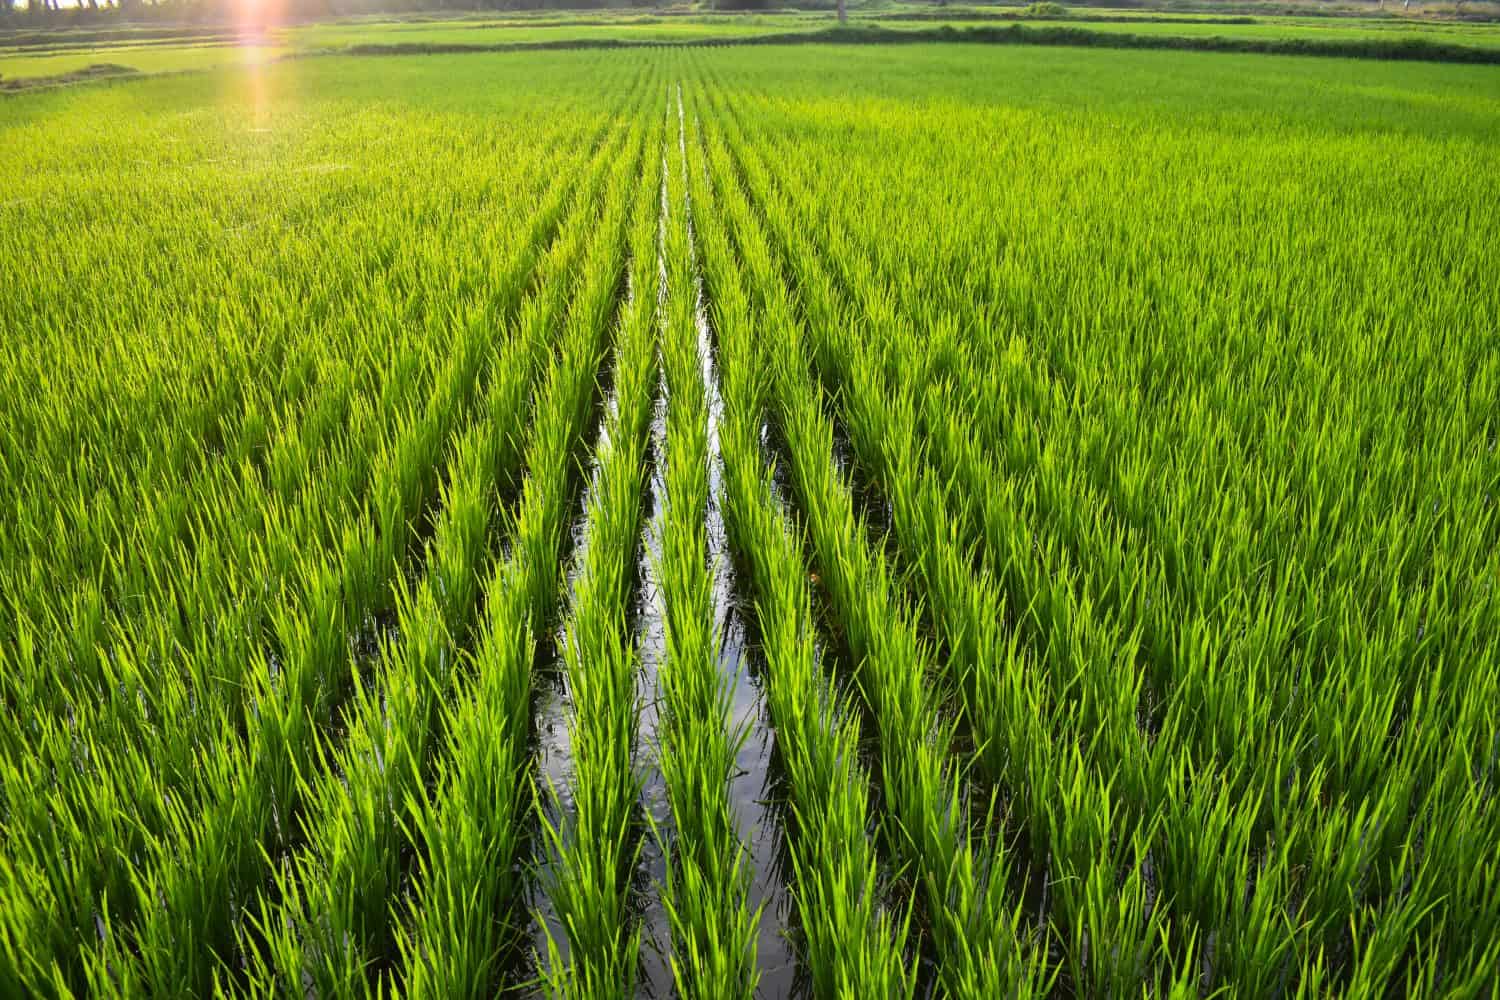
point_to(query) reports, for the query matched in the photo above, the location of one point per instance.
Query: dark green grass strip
(1387, 49)
(1403, 49)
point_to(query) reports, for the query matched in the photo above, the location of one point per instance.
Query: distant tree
(843, 14)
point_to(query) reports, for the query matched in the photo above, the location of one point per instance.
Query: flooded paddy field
(816, 521)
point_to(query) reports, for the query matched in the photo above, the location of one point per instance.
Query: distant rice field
(32, 55)
(141, 58)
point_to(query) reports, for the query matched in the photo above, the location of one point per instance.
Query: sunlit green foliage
(1109, 475)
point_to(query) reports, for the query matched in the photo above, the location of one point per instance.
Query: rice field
(837, 521)
(33, 57)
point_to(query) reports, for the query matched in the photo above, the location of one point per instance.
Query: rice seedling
(427, 647)
(910, 364)
(356, 838)
(469, 828)
(1182, 868)
(973, 925)
(984, 664)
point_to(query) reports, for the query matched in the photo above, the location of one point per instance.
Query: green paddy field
(870, 520)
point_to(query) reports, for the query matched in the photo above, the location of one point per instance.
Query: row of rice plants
(242, 564)
(336, 892)
(475, 287)
(178, 586)
(1374, 787)
(1063, 806)
(959, 601)
(131, 511)
(470, 830)
(137, 563)
(850, 941)
(594, 844)
(1260, 964)
(706, 895)
(228, 861)
(120, 452)
(981, 663)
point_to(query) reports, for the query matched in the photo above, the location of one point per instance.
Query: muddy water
(758, 794)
